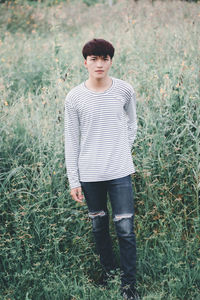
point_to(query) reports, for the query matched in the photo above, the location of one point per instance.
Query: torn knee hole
(122, 216)
(93, 215)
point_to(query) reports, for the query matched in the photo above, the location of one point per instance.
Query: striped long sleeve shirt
(99, 131)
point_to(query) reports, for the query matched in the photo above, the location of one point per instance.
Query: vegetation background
(46, 244)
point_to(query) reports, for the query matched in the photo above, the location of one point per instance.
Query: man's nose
(99, 63)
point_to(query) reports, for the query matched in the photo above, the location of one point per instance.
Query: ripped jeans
(121, 197)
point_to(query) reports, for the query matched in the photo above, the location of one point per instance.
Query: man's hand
(76, 194)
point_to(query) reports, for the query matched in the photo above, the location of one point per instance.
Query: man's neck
(98, 84)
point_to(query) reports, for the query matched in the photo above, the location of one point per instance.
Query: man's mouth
(99, 71)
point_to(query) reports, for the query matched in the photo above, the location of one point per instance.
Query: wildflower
(162, 91)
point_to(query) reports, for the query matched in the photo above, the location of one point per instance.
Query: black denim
(122, 201)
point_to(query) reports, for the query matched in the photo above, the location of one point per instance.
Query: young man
(100, 128)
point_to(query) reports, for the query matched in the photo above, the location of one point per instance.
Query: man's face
(98, 66)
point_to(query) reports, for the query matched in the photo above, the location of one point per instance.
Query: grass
(46, 244)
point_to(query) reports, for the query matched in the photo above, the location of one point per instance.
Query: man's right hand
(76, 194)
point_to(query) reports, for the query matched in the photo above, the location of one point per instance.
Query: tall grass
(46, 245)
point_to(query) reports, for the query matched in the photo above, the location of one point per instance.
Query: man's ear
(85, 63)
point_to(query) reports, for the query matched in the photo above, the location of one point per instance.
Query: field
(46, 244)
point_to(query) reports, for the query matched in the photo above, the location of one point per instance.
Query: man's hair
(98, 47)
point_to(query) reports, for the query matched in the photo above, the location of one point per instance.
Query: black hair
(98, 47)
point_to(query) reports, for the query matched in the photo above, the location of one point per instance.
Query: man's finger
(76, 195)
(80, 196)
(76, 198)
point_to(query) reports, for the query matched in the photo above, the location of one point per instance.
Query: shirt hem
(102, 178)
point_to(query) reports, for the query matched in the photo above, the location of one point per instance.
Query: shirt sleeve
(130, 108)
(72, 138)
